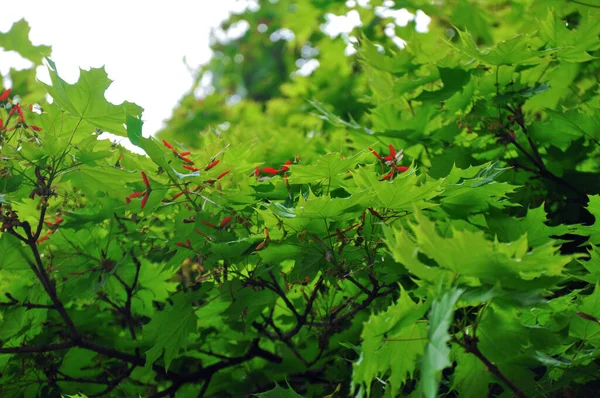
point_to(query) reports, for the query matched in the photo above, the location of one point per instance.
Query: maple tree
(415, 221)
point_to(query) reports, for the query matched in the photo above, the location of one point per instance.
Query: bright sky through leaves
(150, 50)
(142, 44)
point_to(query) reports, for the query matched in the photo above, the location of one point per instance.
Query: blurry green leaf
(514, 51)
(17, 39)
(279, 392)
(169, 330)
(437, 353)
(391, 342)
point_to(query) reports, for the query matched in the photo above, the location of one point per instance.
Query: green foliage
(416, 221)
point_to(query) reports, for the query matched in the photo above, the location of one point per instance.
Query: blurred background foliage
(282, 76)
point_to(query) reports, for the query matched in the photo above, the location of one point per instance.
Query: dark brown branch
(13, 301)
(42, 275)
(277, 289)
(366, 302)
(36, 349)
(111, 353)
(470, 346)
(302, 319)
(358, 284)
(204, 388)
(543, 171)
(584, 4)
(114, 383)
(206, 373)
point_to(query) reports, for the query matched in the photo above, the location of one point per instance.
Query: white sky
(142, 44)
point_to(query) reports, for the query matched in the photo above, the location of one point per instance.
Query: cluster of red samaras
(15, 109)
(53, 226)
(184, 156)
(145, 194)
(222, 225)
(188, 164)
(390, 161)
(270, 170)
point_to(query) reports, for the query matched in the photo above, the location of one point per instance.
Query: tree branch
(470, 346)
(37, 349)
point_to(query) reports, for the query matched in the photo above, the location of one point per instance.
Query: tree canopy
(388, 211)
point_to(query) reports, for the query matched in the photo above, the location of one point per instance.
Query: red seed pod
(208, 224)
(374, 152)
(35, 128)
(187, 160)
(270, 170)
(1, 124)
(19, 111)
(45, 237)
(5, 94)
(387, 176)
(285, 166)
(185, 153)
(203, 234)
(181, 244)
(144, 200)
(225, 221)
(588, 317)
(211, 165)
(165, 143)
(133, 196)
(177, 195)
(223, 174)
(255, 172)
(192, 168)
(145, 179)
(392, 151)
(12, 111)
(401, 169)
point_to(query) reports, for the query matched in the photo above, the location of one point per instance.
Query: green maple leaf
(105, 179)
(474, 189)
(572, 45)
(437, 353)
(402, 245)
(470, 377)
(14, 255)
(593, 231)
(324, 207)
(533, 224)
(152, 148)
(453, 79)
(592, 265)
(588, 329)
(327, 167)
(405, 84)
(405, 341)
(85, 99)
(279, 392)
(405, 192)
(471, 254)
(17, 39)
(514, 51)
(168, 330)
(398, 63)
